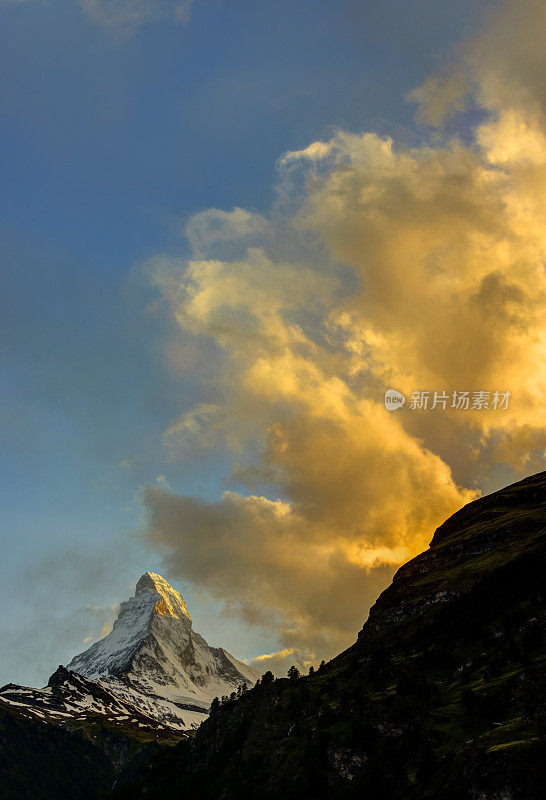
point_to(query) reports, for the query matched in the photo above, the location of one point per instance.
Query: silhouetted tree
(214, 706)
(294, 673)
(267, 678)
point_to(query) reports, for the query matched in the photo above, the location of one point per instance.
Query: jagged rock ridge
(152, 667)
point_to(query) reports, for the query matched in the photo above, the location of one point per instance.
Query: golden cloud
(408, 268)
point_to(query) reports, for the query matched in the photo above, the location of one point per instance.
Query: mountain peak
(170, 603)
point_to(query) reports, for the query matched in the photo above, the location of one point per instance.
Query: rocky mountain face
(443, 695)
(145, 685)
(70, 697)
(154, 659)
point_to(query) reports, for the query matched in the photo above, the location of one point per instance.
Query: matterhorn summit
(152, 670)
(156, 610)
(153, 658)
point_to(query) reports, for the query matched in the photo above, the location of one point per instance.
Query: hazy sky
(227, 228)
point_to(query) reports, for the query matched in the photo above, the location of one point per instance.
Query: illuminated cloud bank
(380, 266)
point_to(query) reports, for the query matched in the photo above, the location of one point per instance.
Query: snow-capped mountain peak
(169, 602)
(153, 659)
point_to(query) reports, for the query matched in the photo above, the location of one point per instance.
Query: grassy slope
(442, 696)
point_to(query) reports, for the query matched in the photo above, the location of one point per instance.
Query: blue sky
(111, 139)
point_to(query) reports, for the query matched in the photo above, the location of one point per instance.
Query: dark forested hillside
(41, 761)
(442, 696)
(52, 754)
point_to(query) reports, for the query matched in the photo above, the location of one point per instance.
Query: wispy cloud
(127, 15)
